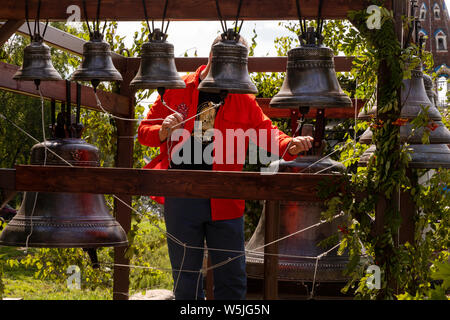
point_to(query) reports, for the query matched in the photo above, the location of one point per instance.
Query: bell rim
(324, 101)
(230, 87)
(19, 77)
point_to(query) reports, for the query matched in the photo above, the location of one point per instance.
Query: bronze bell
(97, 64)
(229, 70)
(310, 79)
(37, 63)
(295, 216)
(423, 156)
(414, 97)
(64, 220)
(157, 69)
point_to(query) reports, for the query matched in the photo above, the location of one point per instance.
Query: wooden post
(124, 159)
(407, 212)
(270, 257)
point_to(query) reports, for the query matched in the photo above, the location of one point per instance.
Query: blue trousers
(189, 220)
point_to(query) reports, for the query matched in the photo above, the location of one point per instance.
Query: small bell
(97, 62)
(157, 69)
(310, 79)
(418, 92)
(415, 98)
(37, 63)
(229, 67)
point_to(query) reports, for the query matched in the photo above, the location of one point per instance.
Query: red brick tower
(434, 18)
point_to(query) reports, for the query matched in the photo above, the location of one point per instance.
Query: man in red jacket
(185, 139)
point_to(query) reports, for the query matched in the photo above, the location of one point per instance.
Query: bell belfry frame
(124, 181)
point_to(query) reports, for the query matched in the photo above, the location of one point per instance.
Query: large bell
(310, 79)
(297, 253)
(157, 69)
(417, 93)
(37, 63)
(97, 62)
(229, 67)
(64, 220)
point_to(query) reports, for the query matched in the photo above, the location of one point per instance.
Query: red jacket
(240, 111)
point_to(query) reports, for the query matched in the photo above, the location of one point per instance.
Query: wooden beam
(255, 64)
(8, 29)
(111, 102)
(173, 183)
(8, 179)
(131, 10)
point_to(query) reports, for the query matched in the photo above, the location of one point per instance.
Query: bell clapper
(95, 83)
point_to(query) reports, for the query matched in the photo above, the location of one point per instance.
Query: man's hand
(300, 144)
(167, 125)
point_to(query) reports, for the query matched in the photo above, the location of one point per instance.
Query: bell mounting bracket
(157, 36)
(231, 35)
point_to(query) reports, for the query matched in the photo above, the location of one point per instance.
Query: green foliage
(405, 267)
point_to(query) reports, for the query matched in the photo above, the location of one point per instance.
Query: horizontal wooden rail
(255, 64)
(8, 179)
(172, 183)
(131, 10)
(111, 102)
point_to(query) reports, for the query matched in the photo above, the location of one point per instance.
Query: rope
(146, 16)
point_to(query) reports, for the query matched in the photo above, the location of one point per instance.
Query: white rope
(45, 163)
